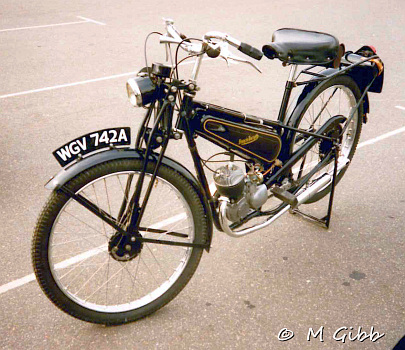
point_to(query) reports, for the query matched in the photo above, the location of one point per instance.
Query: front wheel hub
(124, 248)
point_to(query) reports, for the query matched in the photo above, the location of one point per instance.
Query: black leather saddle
(302, 47)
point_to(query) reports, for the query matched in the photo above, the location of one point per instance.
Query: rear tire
(72, 255)
(333, 97)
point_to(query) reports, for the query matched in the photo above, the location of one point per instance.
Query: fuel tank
(257, 142)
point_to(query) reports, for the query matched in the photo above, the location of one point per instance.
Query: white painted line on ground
(400, 107)
(85, 20)
(381, 137)
(169, 221)
(67, 85)
(17, 283)
(62, 265)
(80, 257)
(43, 26)
(91, 20)
(76, 83)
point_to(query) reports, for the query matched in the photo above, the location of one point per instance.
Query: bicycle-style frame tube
(287, 93)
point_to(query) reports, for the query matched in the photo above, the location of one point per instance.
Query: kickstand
(325, 221)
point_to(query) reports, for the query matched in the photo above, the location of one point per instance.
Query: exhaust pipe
(321, 183)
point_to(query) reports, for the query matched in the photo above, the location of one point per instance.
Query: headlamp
(140, 91)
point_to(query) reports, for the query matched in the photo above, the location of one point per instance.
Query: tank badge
(248, 140)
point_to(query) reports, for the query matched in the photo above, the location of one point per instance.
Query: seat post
(287, 92)
(293, 73)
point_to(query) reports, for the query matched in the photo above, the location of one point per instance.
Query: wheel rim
(333, 101)
(78, 248)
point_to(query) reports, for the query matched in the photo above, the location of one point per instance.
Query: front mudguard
(70, 172)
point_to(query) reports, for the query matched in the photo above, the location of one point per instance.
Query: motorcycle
(125, 227)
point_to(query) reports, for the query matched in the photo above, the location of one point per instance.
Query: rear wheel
(335, 97)
(84, 266)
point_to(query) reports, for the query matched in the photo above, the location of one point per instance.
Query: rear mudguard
(309, 87)
(303, 101)
(360, 84)
(70, 172)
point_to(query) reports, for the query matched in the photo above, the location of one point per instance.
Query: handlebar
(214, 44)
(242, 47)
(175, 37)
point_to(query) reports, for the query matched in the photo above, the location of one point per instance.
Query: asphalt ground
(293, 274)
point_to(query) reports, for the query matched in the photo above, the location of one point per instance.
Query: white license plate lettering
(64, 153)
(95, 136)
(113, 136)
(92, 142)
(123, 136)
(104, 138)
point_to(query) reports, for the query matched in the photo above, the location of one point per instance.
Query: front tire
(72, 255)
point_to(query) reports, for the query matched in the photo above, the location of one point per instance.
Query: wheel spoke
(106, 282)
(83, 222)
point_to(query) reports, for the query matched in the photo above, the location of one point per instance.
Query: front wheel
(337, 96)
(82, 264)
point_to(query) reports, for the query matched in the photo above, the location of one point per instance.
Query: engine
(243, 192)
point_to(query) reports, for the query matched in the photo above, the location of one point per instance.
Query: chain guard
(325, 146)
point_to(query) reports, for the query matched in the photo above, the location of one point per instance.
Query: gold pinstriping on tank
(234, 144)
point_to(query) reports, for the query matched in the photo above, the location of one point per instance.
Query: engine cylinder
(230, 181)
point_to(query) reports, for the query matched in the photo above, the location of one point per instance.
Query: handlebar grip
(250, 51)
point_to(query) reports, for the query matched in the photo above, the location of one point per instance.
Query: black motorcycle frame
(189, 123)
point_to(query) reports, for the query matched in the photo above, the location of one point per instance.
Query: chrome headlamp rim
(134, 93)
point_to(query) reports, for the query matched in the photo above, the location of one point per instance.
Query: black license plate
(92, 142)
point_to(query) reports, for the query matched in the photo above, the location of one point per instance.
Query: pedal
(285, 196)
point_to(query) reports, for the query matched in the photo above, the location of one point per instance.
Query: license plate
(92, 142)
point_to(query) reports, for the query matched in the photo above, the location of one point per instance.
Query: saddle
(304, 47)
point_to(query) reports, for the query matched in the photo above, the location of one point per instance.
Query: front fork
(165, 114)
(164, 120)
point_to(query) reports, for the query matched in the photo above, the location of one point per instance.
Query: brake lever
(225, 59)
(227, 55)
(238, 59)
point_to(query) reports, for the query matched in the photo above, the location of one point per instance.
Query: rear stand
(324, 221)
